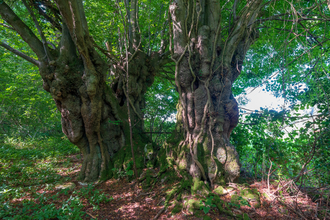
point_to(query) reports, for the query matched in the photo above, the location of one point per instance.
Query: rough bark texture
(142, 70)
(208, 60)
(94, 116)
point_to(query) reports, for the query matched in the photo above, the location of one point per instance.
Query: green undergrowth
(31, 166)
(33, 162)
(43, 206)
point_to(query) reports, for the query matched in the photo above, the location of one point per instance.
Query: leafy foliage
(24, 168)
(206, 207)
(290, 58)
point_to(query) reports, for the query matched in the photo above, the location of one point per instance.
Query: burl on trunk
(208, 60)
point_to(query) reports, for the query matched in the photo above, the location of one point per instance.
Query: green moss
(177, 208)
(118, 159)
(150, 164)
(193, 205)
(205, 145)
(219, 190)
(199, 187)
(186, 184)
(182, 164)
(162, 160)
(251, 195)
(235, 199)
(206, 217)
(149, 179)
(124, 155)
(139, 162)
(108, 173)
(220, 179)
(170, 195)
(202, 155)
(266, 196)
(148, 151)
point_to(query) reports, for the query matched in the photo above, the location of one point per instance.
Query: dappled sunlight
(122, 199)
(180, 109)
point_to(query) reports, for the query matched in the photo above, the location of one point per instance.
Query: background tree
(289, 59)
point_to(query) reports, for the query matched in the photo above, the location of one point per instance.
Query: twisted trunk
(208, 60)
(93, 114)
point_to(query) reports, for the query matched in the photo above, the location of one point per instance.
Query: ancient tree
(74, 73)
(209, 42)
(206, 40)
(209, 58)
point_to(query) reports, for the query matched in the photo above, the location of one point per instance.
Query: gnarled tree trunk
(208, 60)
(94, 115)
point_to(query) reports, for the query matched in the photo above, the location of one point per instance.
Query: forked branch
(43, 38)
(22, 29)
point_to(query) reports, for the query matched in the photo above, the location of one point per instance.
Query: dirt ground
(283, 200)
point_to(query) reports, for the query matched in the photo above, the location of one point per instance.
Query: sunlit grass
(29, 172)
(33, 162)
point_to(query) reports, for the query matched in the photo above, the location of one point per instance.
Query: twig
(130, 102)
(91, 215)
(326, 211)
(317, 205)
(283, 186)
(7, 26)
(160, 212)
(270, 168)
(144, 194)
(292, 209)
(311, 154)
(99, 183)
(162, 200)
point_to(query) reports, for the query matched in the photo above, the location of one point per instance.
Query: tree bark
(208, 60)
(93, 114)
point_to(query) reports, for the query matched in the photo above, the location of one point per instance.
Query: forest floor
(23, 198)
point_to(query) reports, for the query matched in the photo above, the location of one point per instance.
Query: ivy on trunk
(208, 60)
(94, 116)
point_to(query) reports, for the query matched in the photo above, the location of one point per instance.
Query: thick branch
(54, 23)
(74, 16)
(7, 26)
(134, 22)
(107, 53)
(234, 9)
(18, 53)
(43, 38)
(22, 29)
(164, 39)
(165, 59)
(240, 31)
